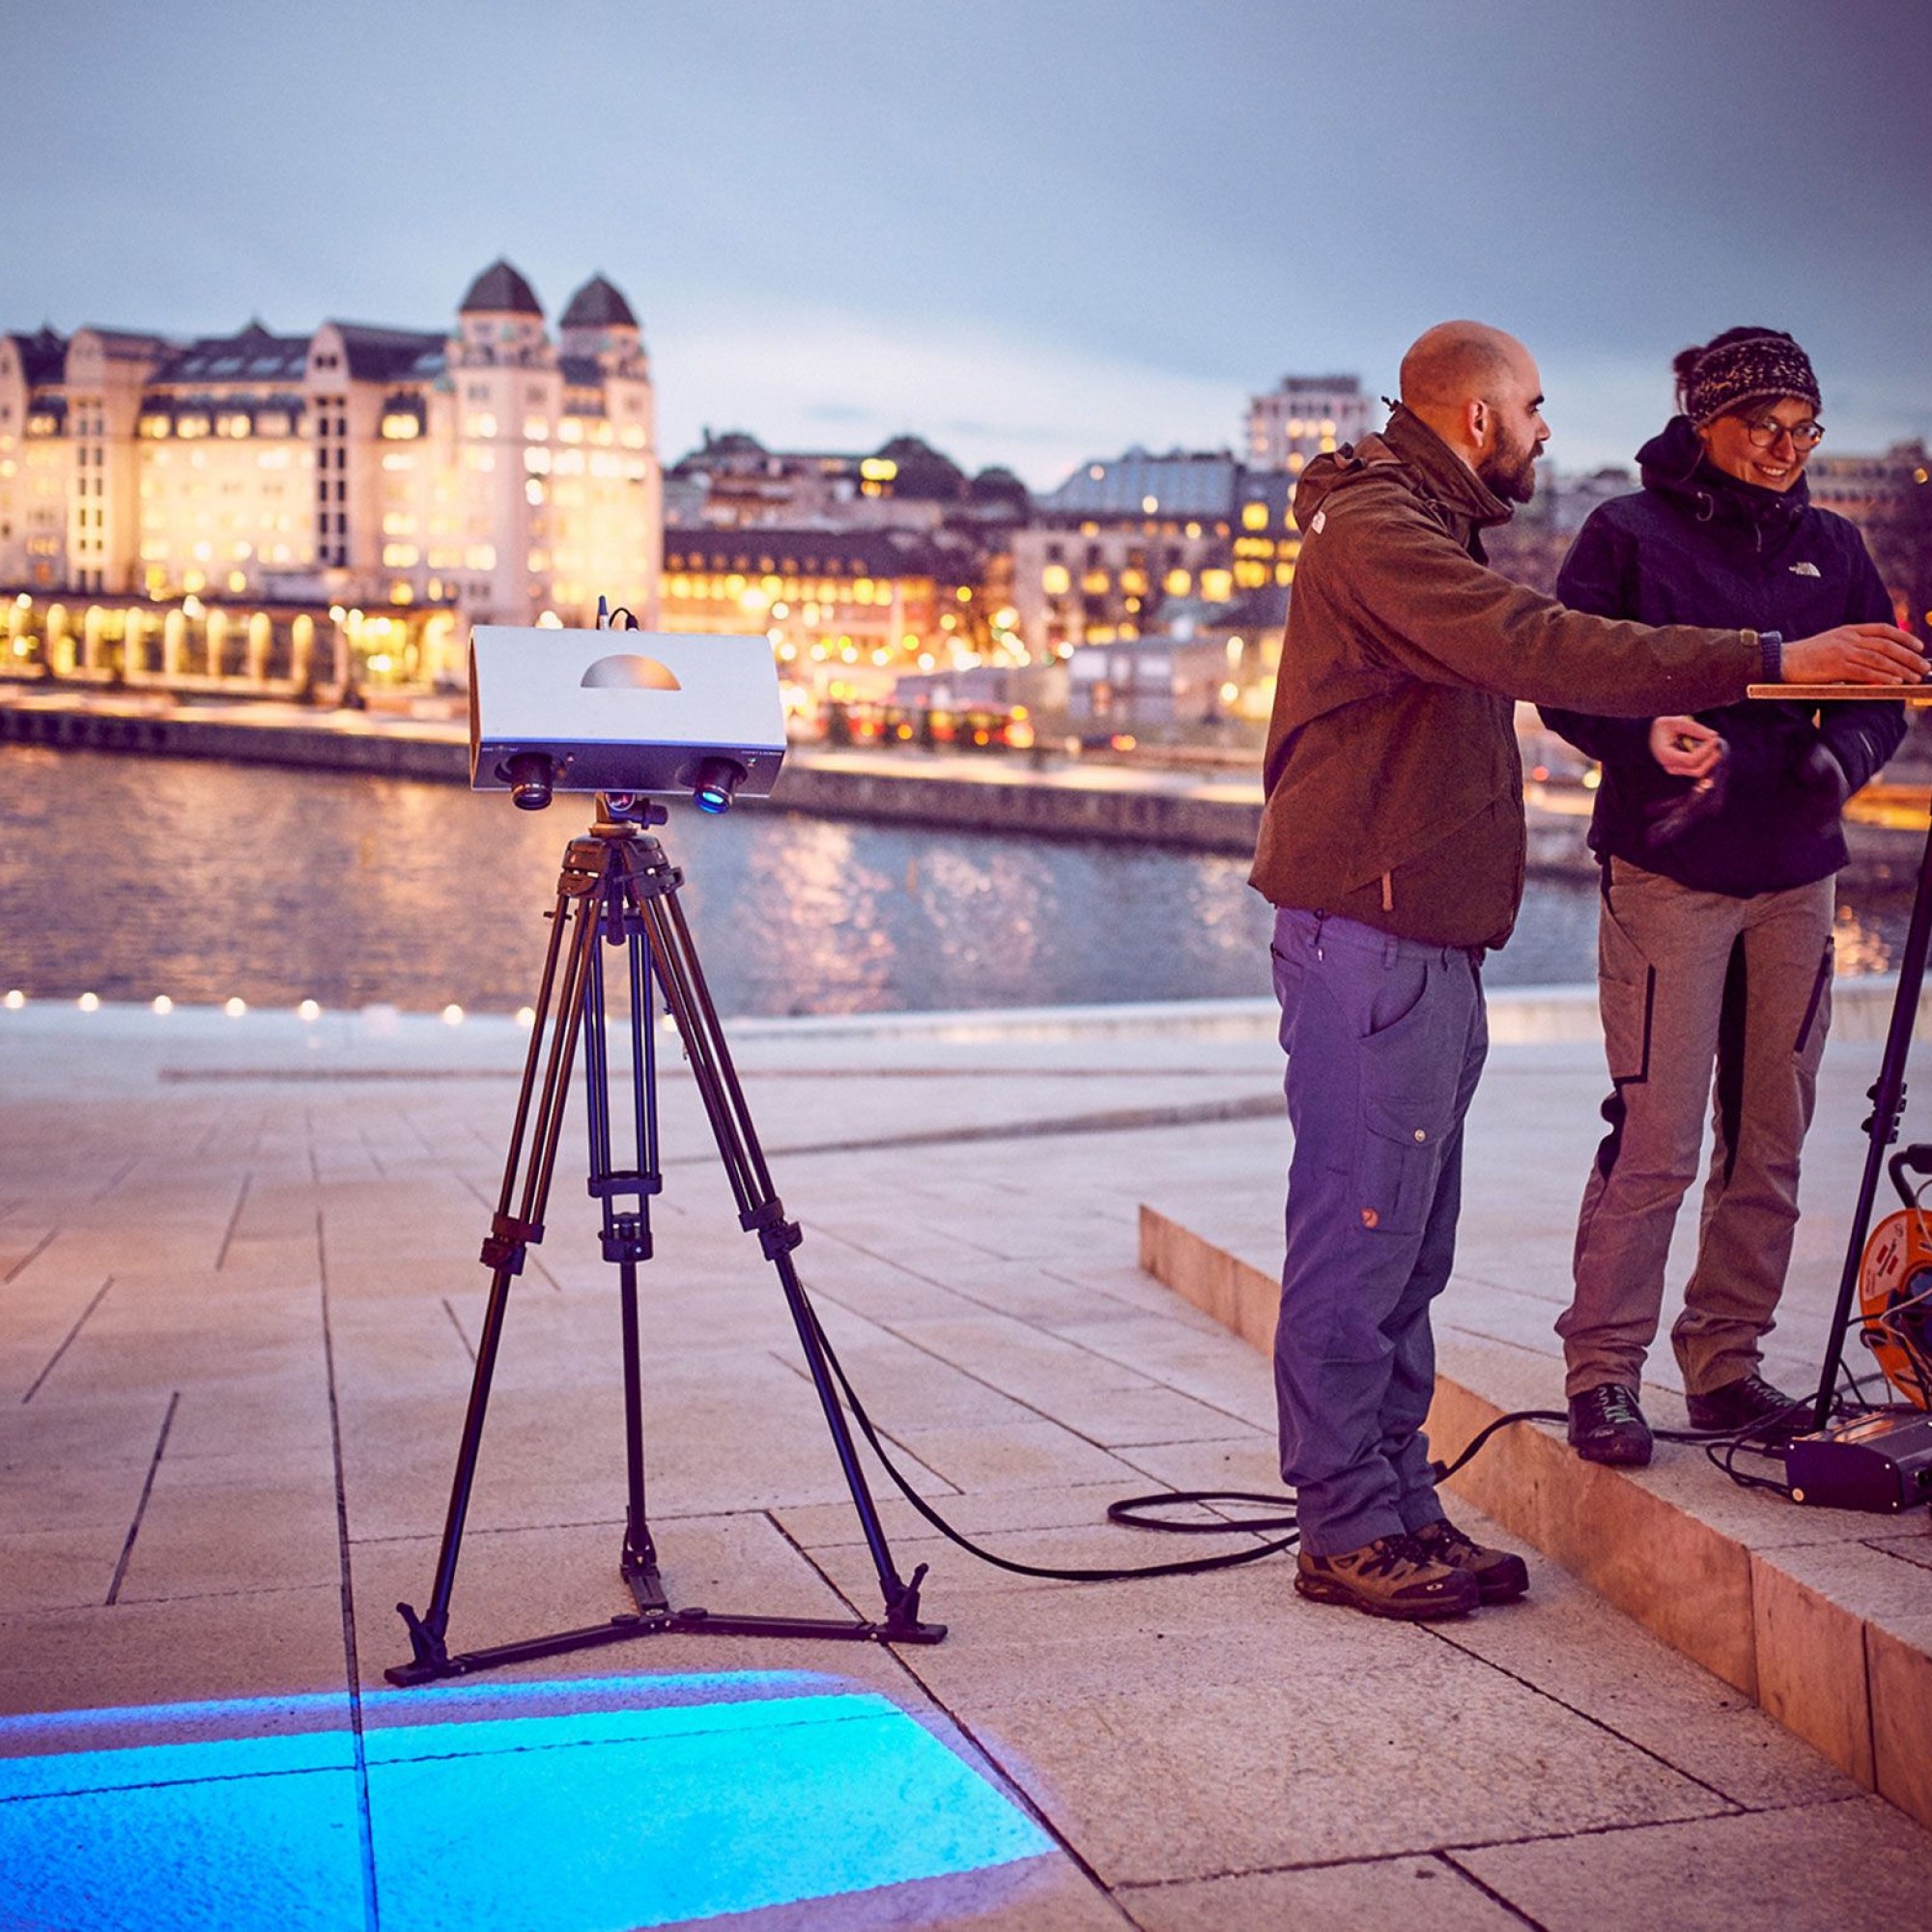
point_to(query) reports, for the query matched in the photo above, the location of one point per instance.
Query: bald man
(1392, 846)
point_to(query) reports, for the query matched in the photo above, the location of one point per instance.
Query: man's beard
(1509, 468)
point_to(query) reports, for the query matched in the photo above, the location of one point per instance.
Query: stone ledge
(1833, 1640)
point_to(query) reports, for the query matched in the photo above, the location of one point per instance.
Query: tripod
(1887, 1099)
(617, 885)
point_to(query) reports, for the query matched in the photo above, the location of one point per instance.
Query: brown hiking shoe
(1501, 1575)
(1392, 1577)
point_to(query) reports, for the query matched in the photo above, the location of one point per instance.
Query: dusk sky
(1032, 231)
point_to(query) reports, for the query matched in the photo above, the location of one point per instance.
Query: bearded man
(1392, 846)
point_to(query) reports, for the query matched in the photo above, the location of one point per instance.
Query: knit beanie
(1743, 365)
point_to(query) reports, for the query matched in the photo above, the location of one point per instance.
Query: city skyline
(1032, 239)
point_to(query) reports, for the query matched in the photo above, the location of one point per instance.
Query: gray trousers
(1385, 1039)
(1690, 981)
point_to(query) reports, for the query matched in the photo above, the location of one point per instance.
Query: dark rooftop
(1182, 483)
(43, 355)
(597, 304)
(389, 354)
(254, 356)
(499, 290)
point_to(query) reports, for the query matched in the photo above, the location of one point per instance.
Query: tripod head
(629, 807)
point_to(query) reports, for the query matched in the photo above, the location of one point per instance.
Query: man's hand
(1685, 748)
(1856, 654)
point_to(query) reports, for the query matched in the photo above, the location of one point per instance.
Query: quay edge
(972, 794)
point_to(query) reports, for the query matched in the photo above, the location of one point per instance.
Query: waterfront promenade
(237, 1299)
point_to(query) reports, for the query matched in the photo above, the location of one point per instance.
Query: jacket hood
(1408, 440)
(1673, 465)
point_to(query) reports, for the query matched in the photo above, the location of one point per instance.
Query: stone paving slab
(292, 1294)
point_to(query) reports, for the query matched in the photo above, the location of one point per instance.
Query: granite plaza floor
(239, 1300)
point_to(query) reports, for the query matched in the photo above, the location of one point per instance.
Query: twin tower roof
(500, 290)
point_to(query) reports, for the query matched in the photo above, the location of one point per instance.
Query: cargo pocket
(1409, 1077)
(1626, 996)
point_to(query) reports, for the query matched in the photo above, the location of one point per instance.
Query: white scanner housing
(637, 711)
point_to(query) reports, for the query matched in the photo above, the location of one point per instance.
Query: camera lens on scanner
(529, 774)
(718, 782)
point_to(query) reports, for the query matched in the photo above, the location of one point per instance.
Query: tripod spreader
(619, 885)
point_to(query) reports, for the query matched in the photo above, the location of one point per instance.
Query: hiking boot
(1750, 1407)
(1501, 1575)
(1606, 1426)
(1392, 1577)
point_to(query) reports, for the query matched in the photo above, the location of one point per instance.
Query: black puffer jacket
(1696, 546)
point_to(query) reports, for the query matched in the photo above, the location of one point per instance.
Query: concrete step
(1810, 1614)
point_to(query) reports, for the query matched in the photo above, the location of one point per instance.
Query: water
(132, 876)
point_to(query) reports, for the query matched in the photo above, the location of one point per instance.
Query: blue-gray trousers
(1385, 1039)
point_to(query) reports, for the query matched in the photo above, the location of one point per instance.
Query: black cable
(1128, 1510)
(1442, 1471)
(1723, 1456)
(1191, 1566)
(1721, 1446)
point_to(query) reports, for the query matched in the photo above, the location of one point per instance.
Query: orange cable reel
(1896, 1301)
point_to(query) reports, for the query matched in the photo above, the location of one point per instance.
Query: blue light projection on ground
(569, 1806)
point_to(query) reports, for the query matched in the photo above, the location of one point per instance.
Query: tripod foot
(902, 1624)
(430, 1653)
(640, 1570)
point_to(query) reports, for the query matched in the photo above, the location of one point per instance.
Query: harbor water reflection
(135, 876)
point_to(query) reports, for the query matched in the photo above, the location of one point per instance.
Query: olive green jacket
(1394, 785)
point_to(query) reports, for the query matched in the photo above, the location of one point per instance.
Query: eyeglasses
(1764, 434)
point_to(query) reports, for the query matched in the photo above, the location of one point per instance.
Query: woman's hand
(1856, 654)
(1685, 748)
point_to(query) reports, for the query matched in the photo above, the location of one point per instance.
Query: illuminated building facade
(492, 474)
(848, 611)
(1889, 498)
(859, 568)
(1119, 543)
(1305, 416)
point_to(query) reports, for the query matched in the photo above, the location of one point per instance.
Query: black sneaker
(1750, 1407)
(1501, 1575)
(1606, 1426)
(1392, 1577)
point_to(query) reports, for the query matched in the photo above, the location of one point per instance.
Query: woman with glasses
(1719, 836)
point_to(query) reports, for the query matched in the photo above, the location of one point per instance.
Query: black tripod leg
(550, 1047)
(1888, 1097)
(626, 1235)
(639, 1560)
(681, 978)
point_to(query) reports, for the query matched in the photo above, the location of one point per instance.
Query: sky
(1035, 232)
